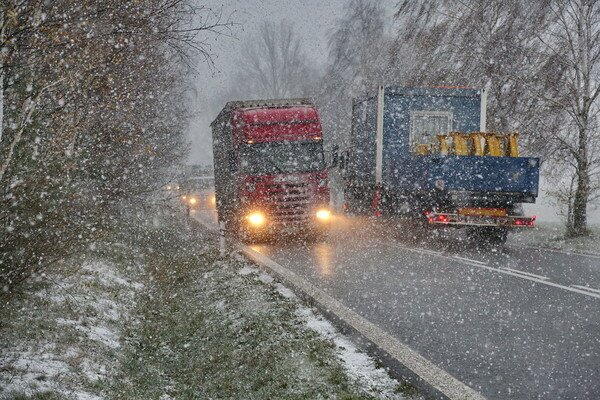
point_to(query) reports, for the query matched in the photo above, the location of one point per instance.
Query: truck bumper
(458, 220)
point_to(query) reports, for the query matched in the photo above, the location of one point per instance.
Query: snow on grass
(358, 365)
(200, 326)
(247, 270)
(551, 235)
(284, 291)
(62, 335)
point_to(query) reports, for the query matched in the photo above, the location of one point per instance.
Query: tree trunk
(580, 201)
(579, 227)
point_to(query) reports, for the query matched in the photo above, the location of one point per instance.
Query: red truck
(270, 170)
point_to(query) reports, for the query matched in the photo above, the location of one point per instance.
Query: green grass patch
(202, 330)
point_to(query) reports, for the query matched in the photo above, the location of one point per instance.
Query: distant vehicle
(424, 154)
(198, 192)
(270, 171)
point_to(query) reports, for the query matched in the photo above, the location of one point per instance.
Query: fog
(312, 19)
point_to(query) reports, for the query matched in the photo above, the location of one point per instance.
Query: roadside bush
(94, 119)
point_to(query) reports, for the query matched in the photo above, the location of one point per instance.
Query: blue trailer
(424, 153)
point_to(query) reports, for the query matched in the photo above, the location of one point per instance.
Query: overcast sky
(313, 19)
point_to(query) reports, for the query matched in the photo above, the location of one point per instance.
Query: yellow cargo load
(423, 149)
(494, 145)
(461, 143)
(472, 144)
(513, 144)
(478, 140)
(443, 144)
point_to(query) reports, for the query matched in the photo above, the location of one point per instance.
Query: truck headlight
(323, 215)
(256, 218)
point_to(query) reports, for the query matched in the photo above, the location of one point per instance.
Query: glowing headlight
(256, 218)
(213, 200)
(323, 214)
(193, 200)
(169, 187)
(184, 197)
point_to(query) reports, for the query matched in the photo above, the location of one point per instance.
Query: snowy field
(160, 316)
(551, 235)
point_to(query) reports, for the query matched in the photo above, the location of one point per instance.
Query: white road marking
(468, 259)
(518, 271)
(587, 288)
(507, 271)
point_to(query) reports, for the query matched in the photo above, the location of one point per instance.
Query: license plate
(483, 212)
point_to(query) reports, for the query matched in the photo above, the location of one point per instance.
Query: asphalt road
(511, 322)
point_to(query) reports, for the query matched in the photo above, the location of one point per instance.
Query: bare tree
(273, 64)
(358, 62)
(572, 43)
(94, 118)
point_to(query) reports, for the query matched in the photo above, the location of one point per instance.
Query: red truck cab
(270, 169)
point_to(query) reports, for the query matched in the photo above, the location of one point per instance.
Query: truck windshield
(286, 157)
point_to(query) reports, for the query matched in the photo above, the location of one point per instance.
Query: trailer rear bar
(436, 218)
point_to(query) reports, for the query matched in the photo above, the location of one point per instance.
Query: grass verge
(154, 313)
(552, 235)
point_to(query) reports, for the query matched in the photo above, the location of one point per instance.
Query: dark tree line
(94, 118)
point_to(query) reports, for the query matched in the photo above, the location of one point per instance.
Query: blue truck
(424, 154)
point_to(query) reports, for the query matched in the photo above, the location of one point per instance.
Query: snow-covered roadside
(163, 316)
(62, 338)
(359, 366)
(551, 236)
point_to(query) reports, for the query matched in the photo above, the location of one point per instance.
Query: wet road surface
(511, 322)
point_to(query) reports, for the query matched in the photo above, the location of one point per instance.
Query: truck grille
(290, 201)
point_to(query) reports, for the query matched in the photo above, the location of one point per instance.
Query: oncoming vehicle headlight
(256, 218)
(193, 200)
(323, 214)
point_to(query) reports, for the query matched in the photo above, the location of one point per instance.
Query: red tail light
(524, 221)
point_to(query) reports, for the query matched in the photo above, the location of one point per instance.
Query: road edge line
(405, 363)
